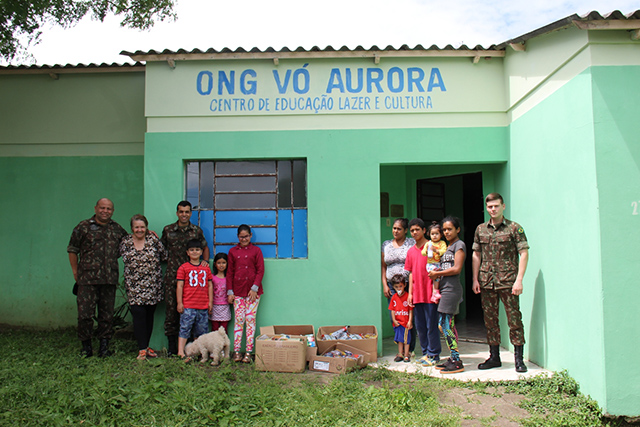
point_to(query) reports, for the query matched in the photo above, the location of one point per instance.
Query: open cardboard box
(339, 365)
(368, 345)
(293, 330)
(281, 356)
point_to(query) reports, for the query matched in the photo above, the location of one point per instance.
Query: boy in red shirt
(195, 300)
(402, 318)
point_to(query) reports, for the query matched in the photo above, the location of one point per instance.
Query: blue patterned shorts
(196, 319)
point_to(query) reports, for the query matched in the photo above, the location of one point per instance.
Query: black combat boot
(518, 351)
(86, 351)
(494, 358)
(172, 350)
(104, 348)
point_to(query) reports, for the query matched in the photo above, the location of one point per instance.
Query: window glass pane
(241, 168)
(284, 184)
(245, 201)
(299, 183)
(246, 183)
(192, 180)
(206, 185)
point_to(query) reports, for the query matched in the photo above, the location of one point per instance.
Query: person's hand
(517, 288)
(253, 295)
(387, 291)
(475, 287)
(409, 325)
(395, 323)
(410, 299)
(153, 233)
(204, 263)
(433, 274)
(210, 308)
(231, 298)
(180, 308)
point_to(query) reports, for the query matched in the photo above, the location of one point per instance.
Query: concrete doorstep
(471, 354)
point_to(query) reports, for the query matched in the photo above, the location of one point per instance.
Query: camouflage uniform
(175, 238)
(499, 247)
(97, 247)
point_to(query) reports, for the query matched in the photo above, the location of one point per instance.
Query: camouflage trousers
(172, 317)
(90, 296)
(511, 304)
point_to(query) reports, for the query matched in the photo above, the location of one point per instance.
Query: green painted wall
(555, 198)
(64, 144)
(340, 281)
(42, 199)
(615, 102)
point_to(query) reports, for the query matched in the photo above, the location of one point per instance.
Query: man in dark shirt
(93, 254)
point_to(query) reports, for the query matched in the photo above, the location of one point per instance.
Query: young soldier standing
(174, 238)
(500, 255)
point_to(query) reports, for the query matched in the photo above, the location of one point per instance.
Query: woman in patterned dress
(142, 253)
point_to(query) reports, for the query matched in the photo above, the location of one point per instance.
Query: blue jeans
(196, 319)
(426, 319)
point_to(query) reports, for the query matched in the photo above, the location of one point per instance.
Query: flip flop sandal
(151, 352)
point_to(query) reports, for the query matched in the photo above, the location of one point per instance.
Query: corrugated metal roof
(574, 20)
(404, 50)
(69, 68)
(592, 20)
(270, 50)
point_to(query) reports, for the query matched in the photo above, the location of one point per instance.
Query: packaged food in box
(364, 338)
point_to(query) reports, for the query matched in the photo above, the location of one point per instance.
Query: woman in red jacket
(244, 287)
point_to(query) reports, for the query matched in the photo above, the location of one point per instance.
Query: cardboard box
(281, 356)
(293, 330)
(339, 365)
(369, 345)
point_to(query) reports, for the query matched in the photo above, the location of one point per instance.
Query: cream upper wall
(474, 96)
(551, 60)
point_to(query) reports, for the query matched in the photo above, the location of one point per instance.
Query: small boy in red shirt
(401, 317)
(195, 299)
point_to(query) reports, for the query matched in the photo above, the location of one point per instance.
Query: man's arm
(179, 304)
(476, 259)
(410, 296)
(73, 260)
(522, 268)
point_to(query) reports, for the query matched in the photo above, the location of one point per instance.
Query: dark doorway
(461, 196)
(473, 211)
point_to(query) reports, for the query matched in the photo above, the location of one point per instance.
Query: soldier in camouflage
(500, 256)
(174, 238)
(93, 255)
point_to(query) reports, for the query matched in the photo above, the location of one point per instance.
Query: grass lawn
(44, 382)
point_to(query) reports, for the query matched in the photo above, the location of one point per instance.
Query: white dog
(215, 344)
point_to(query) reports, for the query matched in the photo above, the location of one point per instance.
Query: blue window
(270, 196)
